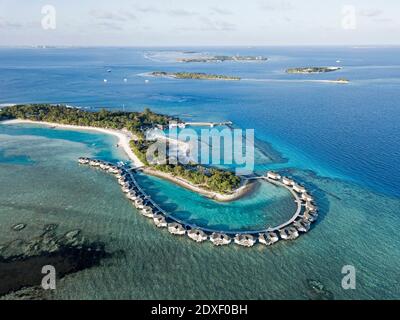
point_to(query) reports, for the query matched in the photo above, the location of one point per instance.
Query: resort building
(298, 188)
(287, 181)
(283, 233)
(148, 208)
(197, 235)
(306, 197)
(293, 233)
(310, 206)
(83, 160)
(220, 239)
(147, 212)
(159, 221)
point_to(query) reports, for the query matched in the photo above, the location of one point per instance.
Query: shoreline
(124, 138)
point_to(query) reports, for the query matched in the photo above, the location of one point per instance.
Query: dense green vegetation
(193, 75)
(312, 69)
(137, 123)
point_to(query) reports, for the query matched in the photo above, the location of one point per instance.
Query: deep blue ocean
(341, 140)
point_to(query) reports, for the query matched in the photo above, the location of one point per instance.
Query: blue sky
(205, 22)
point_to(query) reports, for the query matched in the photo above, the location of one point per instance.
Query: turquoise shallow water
(149, 263)
(346, 151)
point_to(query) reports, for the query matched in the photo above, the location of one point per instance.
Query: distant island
(223, 58)
(131, 129)
(193, 75)
(342, 80)
(308, 70)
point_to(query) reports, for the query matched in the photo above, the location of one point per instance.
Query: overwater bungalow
(114, 170)
(83, 160)
(122, 181)
(128, 184)
(197, 235)
(299, 226)
(246, 240)
(139, 203)
(262, 238)
(283, 233)
(147, 212)
(287, 181)
(293, 233)
(311, 207)
(310, 216)
(176, 229)
(131, 195)
(220, 239)
(159, 221)
(126, 189)
(298, 188)
(104, 166)
(268, 238)
(306, 224)
(273, 175)
(94, 163)
(306, 197)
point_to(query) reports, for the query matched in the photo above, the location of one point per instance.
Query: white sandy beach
(124, 137)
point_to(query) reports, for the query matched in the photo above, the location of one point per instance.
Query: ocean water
(341, 141)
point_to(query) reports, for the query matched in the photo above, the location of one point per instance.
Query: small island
(222, 58)
(193, 76)
(131, 129)
(309, 70)
(342, 80)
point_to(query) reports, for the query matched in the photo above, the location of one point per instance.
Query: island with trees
(193, 76)
(209, 181)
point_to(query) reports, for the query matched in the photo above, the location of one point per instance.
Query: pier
(305, 214)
